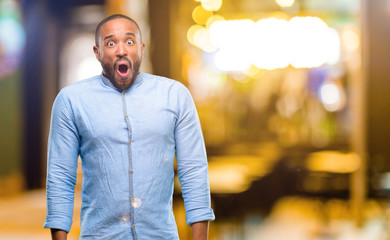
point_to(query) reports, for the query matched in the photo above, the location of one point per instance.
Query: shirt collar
(138, 80)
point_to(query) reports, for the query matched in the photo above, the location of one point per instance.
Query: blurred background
(293, 97)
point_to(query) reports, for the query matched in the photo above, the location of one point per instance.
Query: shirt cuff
(199, 215)
(61, 223)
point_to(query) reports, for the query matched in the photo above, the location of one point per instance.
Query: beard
(109, 71)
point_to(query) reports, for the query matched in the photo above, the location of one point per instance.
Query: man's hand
(200, 230)
(57, 234)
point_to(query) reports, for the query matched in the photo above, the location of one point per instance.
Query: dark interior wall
(376, 34)
(45, 23)
(159, 12)
(37, 19)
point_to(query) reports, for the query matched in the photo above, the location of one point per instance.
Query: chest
(118, 117)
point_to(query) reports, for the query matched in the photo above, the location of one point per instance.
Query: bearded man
(127, 127)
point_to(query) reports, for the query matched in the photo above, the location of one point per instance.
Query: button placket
(130, 142)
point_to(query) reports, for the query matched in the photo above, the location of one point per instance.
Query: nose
(121, 50)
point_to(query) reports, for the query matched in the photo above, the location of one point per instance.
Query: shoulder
(82, 85)
(164, 83)
(77, 89)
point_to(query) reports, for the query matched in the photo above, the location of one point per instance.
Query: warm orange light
(200, 15)
(212, 5)
(234, 174)
(213, 19)
(285, 3)
(350, 40)
(271, 43)
(192, 32)
(332, 161)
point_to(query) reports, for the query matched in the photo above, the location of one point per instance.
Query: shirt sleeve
(192, 164)
(63, 151)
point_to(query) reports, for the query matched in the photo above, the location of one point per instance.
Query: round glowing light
(200, 15)
(303, 42)
(331, 96)
(333, 47)
(213, 19)
(221, 34)
(12, 37)
(202, 40)
(311, 42)
(232, 61)
(192, 32)
(330, 93)
(285, 3)
(212, 5)
(350, 40)
(269, 44)
(201, 37)
(233, 54)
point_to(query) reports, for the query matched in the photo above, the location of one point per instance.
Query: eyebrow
(110, 36)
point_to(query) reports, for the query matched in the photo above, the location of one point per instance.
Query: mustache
(123, 59)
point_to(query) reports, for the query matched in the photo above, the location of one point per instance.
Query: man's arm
(63, 151)
(192, 167)
(57, 234)
(200, 230)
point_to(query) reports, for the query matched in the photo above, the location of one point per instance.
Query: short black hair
(109, 18)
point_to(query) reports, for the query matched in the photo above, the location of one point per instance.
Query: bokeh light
(333, 161)
(270, 45)
(350, 40)
(200, 15)
(214, 18)
(285, 3)
(312, 43)
(331, 96)
(212, 5)
(12, 37)
(234, 53)
(191, 33)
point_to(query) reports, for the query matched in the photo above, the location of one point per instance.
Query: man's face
(120, 52)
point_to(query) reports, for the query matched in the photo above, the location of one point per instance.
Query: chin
(123, 84)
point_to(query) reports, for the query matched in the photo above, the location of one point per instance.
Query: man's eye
(130, 42)
(110, 44)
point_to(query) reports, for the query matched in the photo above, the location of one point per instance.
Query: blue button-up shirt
(127, 141)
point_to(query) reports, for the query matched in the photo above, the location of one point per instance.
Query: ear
(96, 51)
(142, 49)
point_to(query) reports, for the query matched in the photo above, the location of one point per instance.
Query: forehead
(118, 26)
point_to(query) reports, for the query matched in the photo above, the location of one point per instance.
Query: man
(126, 126)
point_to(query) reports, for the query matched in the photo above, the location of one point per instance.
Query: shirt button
(132, 199)
(131, 142)
(133, 226)
(131, 171)
(123, 93)
(127, 117)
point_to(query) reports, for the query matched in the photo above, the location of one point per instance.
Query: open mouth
(123, 69)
